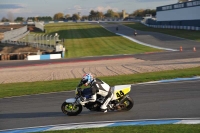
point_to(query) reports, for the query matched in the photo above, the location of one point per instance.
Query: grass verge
(27, 88)
(137, 129)
(84, 39)
(188, 34)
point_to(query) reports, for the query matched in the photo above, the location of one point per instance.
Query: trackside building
(179, 14)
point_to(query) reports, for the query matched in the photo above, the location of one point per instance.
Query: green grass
(83, 39)
(137, 129)
(188, 34)
(18, 89)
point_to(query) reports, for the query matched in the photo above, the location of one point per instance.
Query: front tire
(68, 109)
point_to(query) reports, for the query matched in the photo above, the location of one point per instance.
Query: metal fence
(46, 43)
(40, 41)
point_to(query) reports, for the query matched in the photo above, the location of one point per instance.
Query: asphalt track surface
(154, 38)
(152, 101)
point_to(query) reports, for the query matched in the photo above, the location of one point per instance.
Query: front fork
(75, 103)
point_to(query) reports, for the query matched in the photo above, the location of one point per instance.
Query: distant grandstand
(182, 13)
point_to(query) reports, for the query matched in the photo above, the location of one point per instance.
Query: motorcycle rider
(97, 87)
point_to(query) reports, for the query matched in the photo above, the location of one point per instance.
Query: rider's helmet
(87, 79)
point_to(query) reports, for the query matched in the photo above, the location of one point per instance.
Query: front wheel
(70, 109)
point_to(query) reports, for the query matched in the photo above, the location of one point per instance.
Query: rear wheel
(128, 102)
(70, 109)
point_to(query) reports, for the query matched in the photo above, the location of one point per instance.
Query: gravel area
(99, 68)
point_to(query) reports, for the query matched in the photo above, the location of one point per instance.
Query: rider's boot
(105, 103)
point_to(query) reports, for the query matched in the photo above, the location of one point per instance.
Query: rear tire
(129, 104)
(67, 108)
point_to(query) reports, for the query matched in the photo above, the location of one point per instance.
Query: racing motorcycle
(119, 102)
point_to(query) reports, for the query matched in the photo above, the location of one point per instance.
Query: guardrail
(173, 27)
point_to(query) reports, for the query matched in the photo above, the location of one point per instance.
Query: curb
(172, 80)
(145, 44)
(104, 124)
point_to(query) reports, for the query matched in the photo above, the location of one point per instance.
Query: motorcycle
(120, 101)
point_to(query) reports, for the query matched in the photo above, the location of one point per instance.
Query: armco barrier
(173, 27)
(44, 57)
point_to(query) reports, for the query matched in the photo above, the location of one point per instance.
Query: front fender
(70, 100)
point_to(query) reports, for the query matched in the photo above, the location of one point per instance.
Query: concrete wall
(44, 57)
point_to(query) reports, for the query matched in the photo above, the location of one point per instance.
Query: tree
(92, 14)
(35, 19)
(67, 16)
(152, 12)
(19, 19)
(143, 12)
(84, 17)
(4, 19)
(139, 13)
(75, 17)
(116, 15)
(110, 13)
(58, 16)
(120, 14)
(100, 15)
(183, 1)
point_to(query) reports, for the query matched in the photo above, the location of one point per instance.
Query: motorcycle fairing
(70, 100)
(120, 90)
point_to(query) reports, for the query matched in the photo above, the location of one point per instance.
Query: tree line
(93, 15)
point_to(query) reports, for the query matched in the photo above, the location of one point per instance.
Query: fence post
(43, 39)
(50, 40)
(63, 52)
(46, 39)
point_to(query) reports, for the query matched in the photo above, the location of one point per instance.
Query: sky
(34, 8)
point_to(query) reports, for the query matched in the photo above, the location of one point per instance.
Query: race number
(120, 94)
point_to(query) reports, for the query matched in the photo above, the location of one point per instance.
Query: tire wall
(4, 57)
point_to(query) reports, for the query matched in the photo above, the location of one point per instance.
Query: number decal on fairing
(120, 94)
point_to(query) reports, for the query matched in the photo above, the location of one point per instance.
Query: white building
(180, 14)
